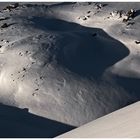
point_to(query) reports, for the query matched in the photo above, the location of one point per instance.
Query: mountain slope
(61, 65)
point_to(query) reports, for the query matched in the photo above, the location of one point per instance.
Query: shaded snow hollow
(64, 67)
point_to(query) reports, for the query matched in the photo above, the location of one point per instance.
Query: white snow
(55, 65)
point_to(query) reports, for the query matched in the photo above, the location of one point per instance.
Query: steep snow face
(57, 68)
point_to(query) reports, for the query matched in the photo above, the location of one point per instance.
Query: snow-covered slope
(67, 61)
(123, 123)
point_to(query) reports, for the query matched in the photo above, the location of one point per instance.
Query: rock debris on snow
(5, 25)
(3, 18)
(11, 6)
(137, 42)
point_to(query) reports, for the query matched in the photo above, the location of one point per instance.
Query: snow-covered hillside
(70, 62)
(122, 123)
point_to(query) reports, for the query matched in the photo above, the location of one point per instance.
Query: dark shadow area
(91, 56)
(137, 13)
(88, 60)
(131, 85)
(62, 4)
(54, 24)
(47, 4)
(19, 123)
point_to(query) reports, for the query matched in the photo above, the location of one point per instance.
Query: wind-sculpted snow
(58, 69)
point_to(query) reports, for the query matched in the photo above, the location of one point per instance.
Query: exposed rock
(99, 6)
(131, 13)
(5, 25)
(88, 12)
(137, 42)
(11, 6)
(84, 18)
(3, 18)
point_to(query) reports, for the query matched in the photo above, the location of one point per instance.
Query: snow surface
(123, 123)
(67, 64)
